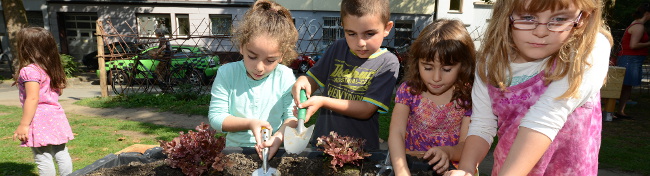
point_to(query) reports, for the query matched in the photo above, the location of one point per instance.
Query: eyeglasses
(556, 26)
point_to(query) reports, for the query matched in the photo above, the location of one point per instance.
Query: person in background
(634, 51)
(539, 74)
(432, 107)
(44, 126)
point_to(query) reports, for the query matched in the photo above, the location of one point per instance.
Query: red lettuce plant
(343, 149)
(195, 152)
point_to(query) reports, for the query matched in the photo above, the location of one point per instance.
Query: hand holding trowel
(296, 139)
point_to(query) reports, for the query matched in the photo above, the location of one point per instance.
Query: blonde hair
(270, 18)
(570, 60)
(366, 7)
(36, 45)
(448, 42)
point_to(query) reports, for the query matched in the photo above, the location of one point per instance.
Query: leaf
(196, 152)
(342, 149)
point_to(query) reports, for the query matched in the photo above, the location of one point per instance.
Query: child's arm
(528, 148)
(29, 109)
(474, 152)
(303, 82)
(481, 130)
(277, 139)
(218, 113)
(352, 108)
(396, 139)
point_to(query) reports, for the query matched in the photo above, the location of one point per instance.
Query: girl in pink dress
(44, 126)
(539, 74)
(432, 106)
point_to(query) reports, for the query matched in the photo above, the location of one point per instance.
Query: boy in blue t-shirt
(357, 76)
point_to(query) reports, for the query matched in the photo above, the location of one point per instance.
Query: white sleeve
(548, 115)
(483, 121)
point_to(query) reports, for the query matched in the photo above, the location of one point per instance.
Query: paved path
(78, 90)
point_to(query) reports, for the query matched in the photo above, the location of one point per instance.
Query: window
(403, 32)
(332, 28)
(221, 24)
(147, 23)
(456, 5)
(77, 25)
(183, 22)
(35, 18)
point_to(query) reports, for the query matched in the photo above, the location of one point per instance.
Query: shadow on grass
(17, 169)
(626, 142)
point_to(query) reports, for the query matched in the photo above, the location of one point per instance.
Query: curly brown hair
(272, 19)
(36, 45)
(448, 42)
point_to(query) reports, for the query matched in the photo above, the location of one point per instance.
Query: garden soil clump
(241, 164)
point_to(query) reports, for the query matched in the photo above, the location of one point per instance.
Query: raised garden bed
(243, 161)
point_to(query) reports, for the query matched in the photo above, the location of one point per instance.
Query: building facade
(73, 23)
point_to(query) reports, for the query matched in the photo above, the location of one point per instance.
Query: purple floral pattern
(429, 125)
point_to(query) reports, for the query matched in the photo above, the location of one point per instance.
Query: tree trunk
(15, 19)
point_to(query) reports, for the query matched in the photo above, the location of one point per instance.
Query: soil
(240, 164)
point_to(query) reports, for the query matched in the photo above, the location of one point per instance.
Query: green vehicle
(190, 66)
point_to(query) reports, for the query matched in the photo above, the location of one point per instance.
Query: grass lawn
(625, 143)
(95, 137)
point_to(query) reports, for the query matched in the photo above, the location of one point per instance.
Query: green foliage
(69, 65)
(620, 16)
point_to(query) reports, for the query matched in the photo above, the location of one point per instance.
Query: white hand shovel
(296, 139)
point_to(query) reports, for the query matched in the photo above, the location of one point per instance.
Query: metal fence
(132, 64)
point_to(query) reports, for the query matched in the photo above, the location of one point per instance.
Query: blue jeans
(633, 68)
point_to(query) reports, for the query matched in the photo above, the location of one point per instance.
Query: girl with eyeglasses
(538, 79)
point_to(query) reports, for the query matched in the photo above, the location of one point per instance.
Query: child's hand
(457, 173)
(21, 132)
(312, 104)
(273, 144)
(438, 157)
(301, 83)
(256, 127)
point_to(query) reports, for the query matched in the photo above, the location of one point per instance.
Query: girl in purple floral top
(432, 106)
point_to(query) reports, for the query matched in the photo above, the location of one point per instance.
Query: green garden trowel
(296, 139)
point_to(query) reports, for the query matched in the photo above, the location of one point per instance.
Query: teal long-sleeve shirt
(236, 94)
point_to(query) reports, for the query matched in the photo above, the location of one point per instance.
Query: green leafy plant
(196, 152)
(343, 149)
(69, 65)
